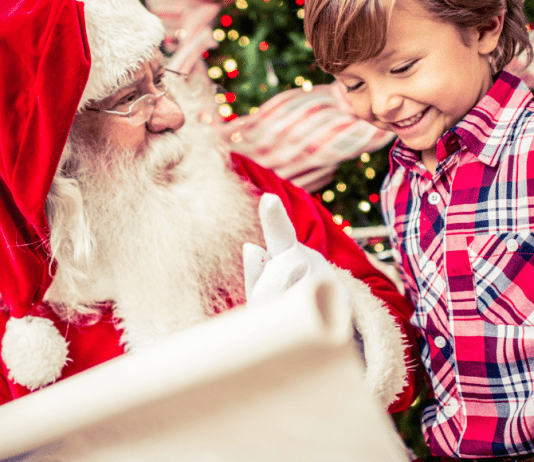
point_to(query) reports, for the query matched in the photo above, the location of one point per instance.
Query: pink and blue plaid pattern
(464, 240)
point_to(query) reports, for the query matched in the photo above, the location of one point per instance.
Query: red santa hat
(57, 55)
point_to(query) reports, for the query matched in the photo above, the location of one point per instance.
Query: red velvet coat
(91, 345)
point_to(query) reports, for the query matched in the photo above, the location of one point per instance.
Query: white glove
(287, 263)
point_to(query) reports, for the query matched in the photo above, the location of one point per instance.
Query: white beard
(159, 234)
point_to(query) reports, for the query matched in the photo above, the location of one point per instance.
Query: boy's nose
(167, 115)
(384, 104)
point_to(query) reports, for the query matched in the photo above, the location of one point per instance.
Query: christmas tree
(262, 51)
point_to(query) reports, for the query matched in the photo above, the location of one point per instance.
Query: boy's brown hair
(343, 32)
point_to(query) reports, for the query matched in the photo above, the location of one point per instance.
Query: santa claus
(124, 215)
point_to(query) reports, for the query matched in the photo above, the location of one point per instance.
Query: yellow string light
(365, 157)
(341, 187)
(206, 118)
(236, 137)
(180, 34)
(219, 35)
(364, 206)
(220, 98)
(307, 85)
(233, 35)
(244, 41)
(230, 65)
(241, 4)
(300, 13)
(215, 72)
(328, 196)
(338, 219)
(225, 110)
(370, 173)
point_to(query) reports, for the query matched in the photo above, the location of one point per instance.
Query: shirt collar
(402, 156)
(483, 131)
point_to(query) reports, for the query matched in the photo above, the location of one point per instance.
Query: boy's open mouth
(410, 121)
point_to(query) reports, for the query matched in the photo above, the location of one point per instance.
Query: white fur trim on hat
(122, 35)
(384, 343)
(34, 351)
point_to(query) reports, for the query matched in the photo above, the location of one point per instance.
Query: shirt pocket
(503, 274)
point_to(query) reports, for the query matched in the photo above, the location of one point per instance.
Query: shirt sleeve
(316, 229)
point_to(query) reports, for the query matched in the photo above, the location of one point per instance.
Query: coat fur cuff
(384, 342)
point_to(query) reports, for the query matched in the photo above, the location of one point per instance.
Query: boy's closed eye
(404, 68)
(354, 87)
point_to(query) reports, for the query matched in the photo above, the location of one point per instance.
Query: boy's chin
(428, 145)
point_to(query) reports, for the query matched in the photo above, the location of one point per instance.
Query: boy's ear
(489, 34)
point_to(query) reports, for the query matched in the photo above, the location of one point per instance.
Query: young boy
(458, 200)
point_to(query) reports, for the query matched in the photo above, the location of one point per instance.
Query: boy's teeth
(410, 121)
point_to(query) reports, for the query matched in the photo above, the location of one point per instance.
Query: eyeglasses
(142, 108)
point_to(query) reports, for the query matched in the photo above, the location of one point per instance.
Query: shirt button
(512, 245)
(431, 267)
(451, 407)
(434, 198)
(440, 341)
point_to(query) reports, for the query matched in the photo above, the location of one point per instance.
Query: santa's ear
(489, 33)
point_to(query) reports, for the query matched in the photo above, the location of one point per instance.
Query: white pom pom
(34, 351)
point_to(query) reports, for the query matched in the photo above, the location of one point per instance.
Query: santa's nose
(167, 115)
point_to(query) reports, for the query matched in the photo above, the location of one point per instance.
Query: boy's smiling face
(427, 78)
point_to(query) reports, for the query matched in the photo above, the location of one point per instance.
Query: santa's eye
(126, 101)
(158, 81)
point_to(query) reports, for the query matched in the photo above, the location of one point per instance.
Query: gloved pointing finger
(278, 230)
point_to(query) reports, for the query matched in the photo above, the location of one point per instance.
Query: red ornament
(233, 74)
(226, 20)
(230, 97)
(299, 2)
(264, 46)
(374, 198)
(206, 54)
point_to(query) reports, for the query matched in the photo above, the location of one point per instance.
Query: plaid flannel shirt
(464, 240)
